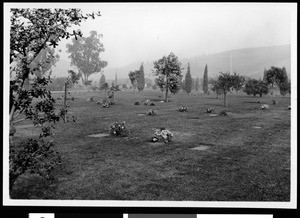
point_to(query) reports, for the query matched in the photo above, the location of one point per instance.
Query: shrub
(183, 109)
(165, 134)
(119, 129)
(152, 103)
(35, 156)
(137, 103)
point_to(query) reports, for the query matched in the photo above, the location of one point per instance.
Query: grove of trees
(256, 87)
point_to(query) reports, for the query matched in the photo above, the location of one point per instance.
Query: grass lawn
(246, 158)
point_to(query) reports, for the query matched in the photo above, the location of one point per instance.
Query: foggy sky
(140, 32)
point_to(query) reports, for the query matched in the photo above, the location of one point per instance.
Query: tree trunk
(166, 97)
(65, 101)
(167, 90)
(225, 102)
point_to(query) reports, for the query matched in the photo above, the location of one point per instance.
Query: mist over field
(249, 62)
(259, 36)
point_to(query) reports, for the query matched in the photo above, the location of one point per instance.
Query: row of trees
(169, 79)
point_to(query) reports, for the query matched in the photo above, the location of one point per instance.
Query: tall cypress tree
(265, 75)
(197, 84)
(205, 80)
(141, 79)
(188, 80)
(116, 79)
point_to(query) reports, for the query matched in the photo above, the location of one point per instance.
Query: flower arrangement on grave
(105, 104)
(118, 129)
(223, 113)
(150, 112)
(147, 102)
(165, 134)
(183, 109)
(210, 110)
(265, 106)
(90, 99)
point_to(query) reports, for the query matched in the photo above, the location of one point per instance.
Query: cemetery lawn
(244, 156)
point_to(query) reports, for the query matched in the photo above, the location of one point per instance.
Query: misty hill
(247, 62)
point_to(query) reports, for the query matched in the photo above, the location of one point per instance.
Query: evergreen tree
(197, 84)
(205, 80)
(188, 80)
(265, 75)
(141, 79)
(116, 79)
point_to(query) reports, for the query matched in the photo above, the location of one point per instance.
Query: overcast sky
(146, 31)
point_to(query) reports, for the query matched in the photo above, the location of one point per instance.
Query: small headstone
(257, 127)
(99, 135)
(200, 148)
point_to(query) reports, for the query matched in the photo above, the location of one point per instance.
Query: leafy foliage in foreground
(35, 156)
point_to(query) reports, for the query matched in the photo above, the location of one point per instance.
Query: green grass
(241, 164)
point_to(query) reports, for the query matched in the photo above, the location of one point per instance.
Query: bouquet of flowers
(118, 129)
(183, 109)
(147, 102)
(105, 104)
(223, 113)
(150, 112)
(210, 110)
(164, 133)
(265, 106)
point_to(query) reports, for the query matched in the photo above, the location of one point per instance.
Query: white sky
(147, 31)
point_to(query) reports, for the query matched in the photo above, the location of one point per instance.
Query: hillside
(248, 62)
